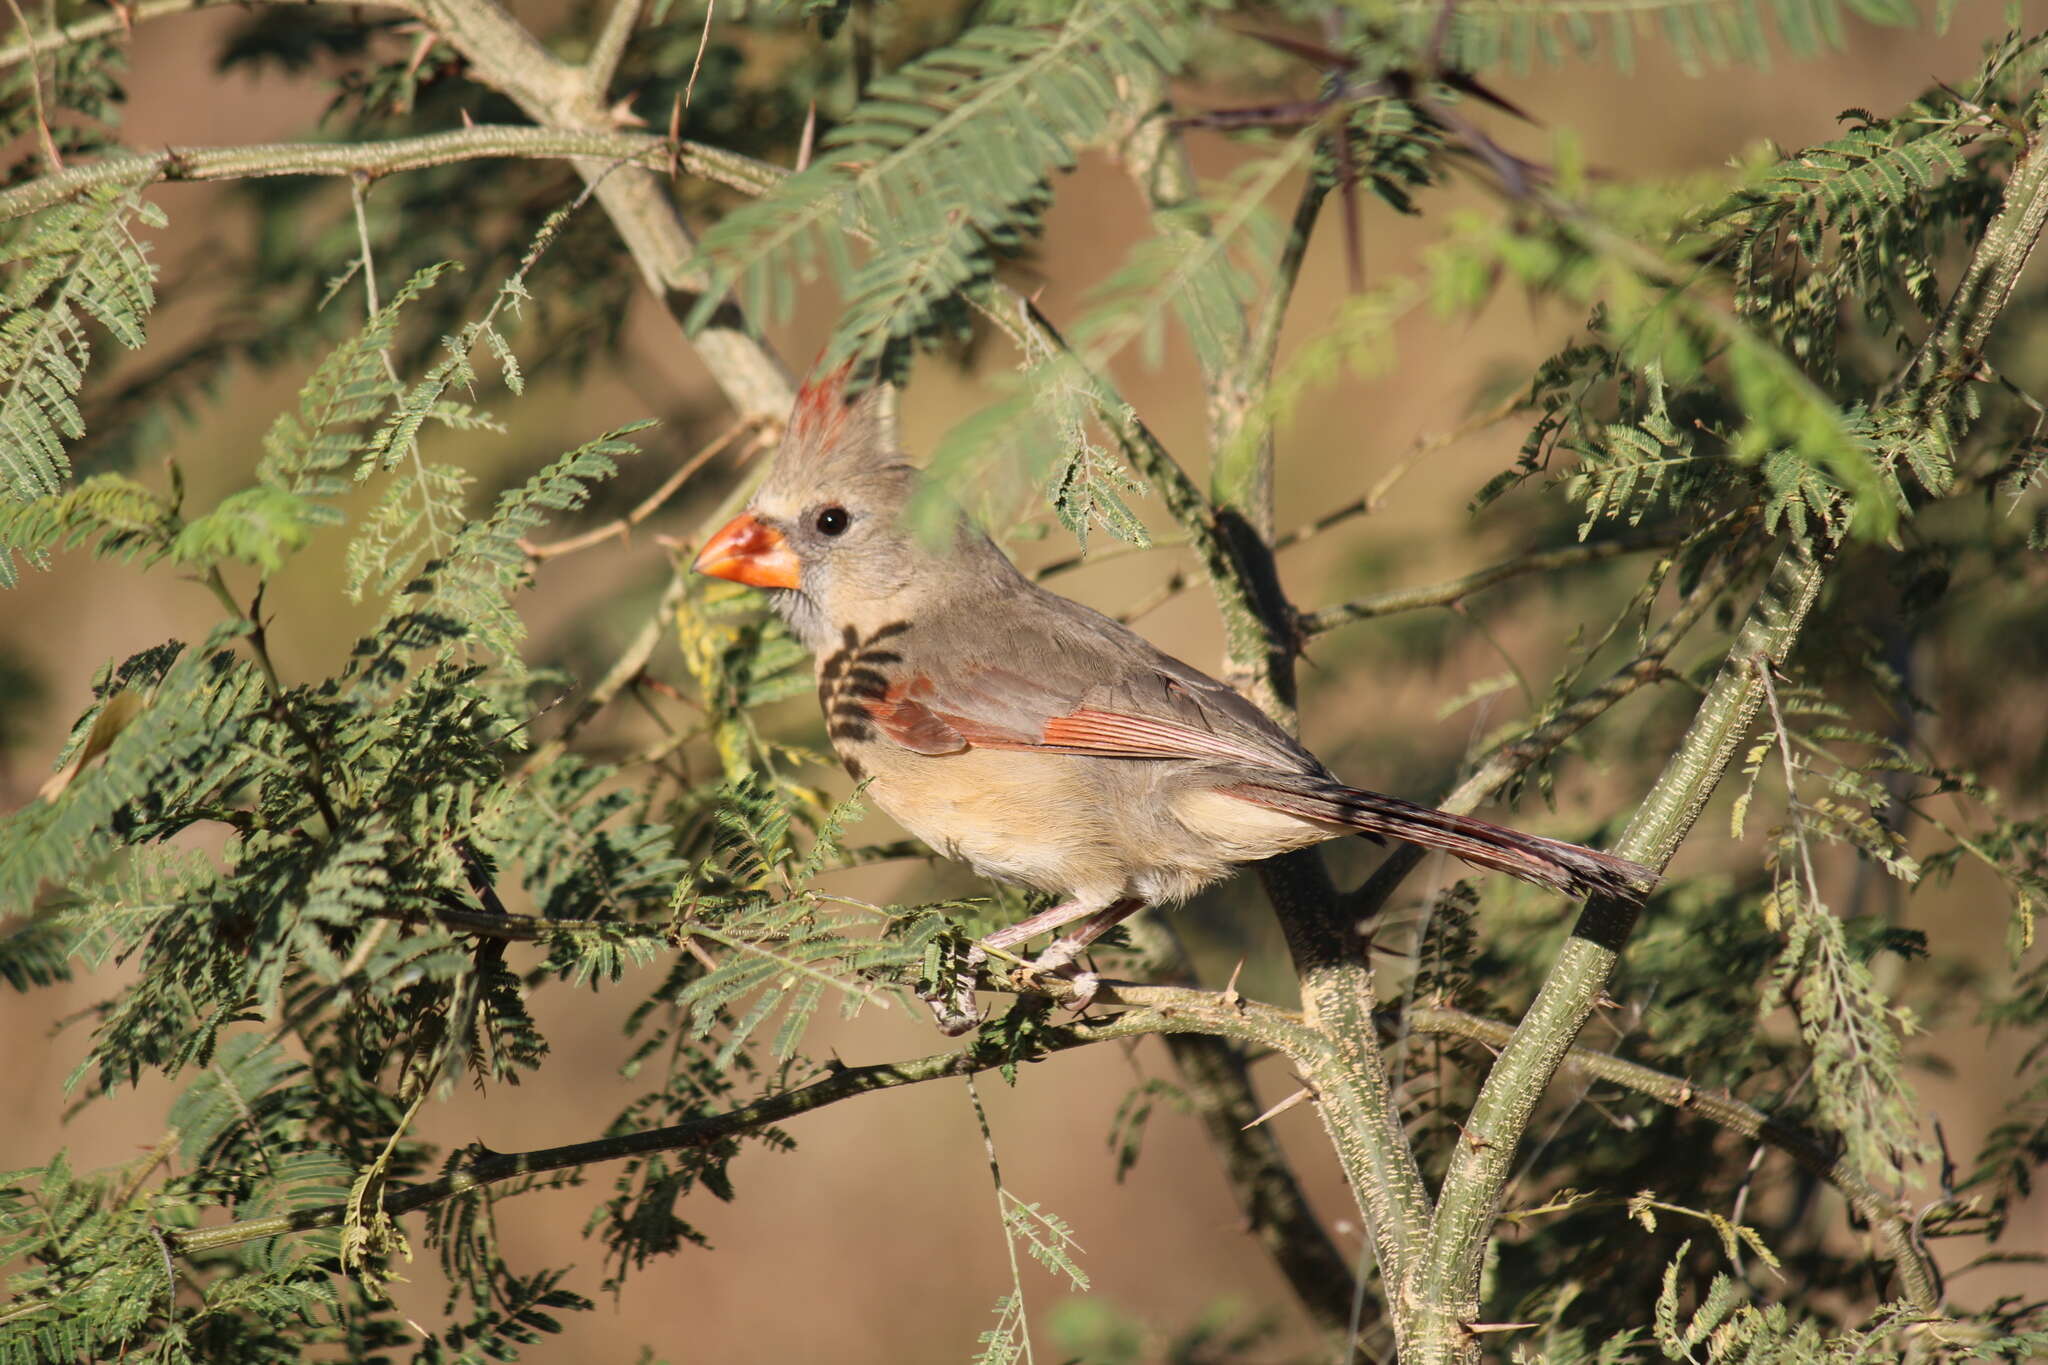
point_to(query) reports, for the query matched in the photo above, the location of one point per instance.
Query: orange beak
(748, 550)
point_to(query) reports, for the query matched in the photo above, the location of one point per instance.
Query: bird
(1033, 738)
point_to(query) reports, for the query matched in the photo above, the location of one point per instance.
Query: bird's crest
(835, 434)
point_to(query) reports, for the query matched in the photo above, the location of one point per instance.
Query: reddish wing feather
(901, 715)
(915, 727)
(905, 716)
(998, 708)
(1119, 734)
(934, 729)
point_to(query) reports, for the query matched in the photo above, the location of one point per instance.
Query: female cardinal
(1036, 739)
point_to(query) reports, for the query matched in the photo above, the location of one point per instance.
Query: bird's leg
(1064, 949)
(956, 1014)
(1045, 921)
(1058, 957)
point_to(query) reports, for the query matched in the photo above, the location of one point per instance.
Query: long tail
(1577, 872)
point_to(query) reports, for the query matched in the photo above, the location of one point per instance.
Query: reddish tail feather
(1568, 868)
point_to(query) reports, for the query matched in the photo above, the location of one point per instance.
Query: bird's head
(827, 534)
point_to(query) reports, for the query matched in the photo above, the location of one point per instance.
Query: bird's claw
(1083, 982)
(1086, 985)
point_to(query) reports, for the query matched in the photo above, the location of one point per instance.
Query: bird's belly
(1018, 817)
(1087, 828)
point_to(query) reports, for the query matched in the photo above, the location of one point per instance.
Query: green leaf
(260, 526)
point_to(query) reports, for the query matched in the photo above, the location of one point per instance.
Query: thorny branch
(372, 160)
(1448, 1286)
(1149, 1009)
(120, 18)
(1233, 528)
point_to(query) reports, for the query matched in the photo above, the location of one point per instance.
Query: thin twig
(1262, 342)
(1421, 448)
(995, 1174)
(647, 506)
(315, 781)
(1175, 584)
(703, 41)
(35, 89)
(1116, 552)
(1456, 590)
(1371, 502)
(1511, 758)
(624, 669)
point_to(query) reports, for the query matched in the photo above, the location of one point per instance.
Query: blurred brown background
(884, 1218)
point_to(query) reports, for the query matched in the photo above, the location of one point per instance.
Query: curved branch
(1476, 1181)
(505, 56)
(610, 47)
(1232, 529)
(621, 527)
(1216, 1077)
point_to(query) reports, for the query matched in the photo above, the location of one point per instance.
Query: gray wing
(1067, 679)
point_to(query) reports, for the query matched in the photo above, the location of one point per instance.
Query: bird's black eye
(833, 520)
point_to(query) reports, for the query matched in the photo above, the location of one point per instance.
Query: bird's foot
(1058, 962)
(1086, 984)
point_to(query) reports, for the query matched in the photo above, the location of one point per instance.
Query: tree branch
(1949, 356)
(605, 54)
(647, 506)
(1424, 445)
(551, 92)
(1511, 758)
(123, 18)
(1893, 1222)
(1456, 590)
(1148, 455)
(1358, 1108)
(1166, 1011)
(1447, 1282)
(1218, 1085)
(1262, 342)
(1474, 1185)
(506, 57)
(375, 159)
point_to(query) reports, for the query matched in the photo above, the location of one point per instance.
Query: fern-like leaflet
(943, 167)
(78, 263)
